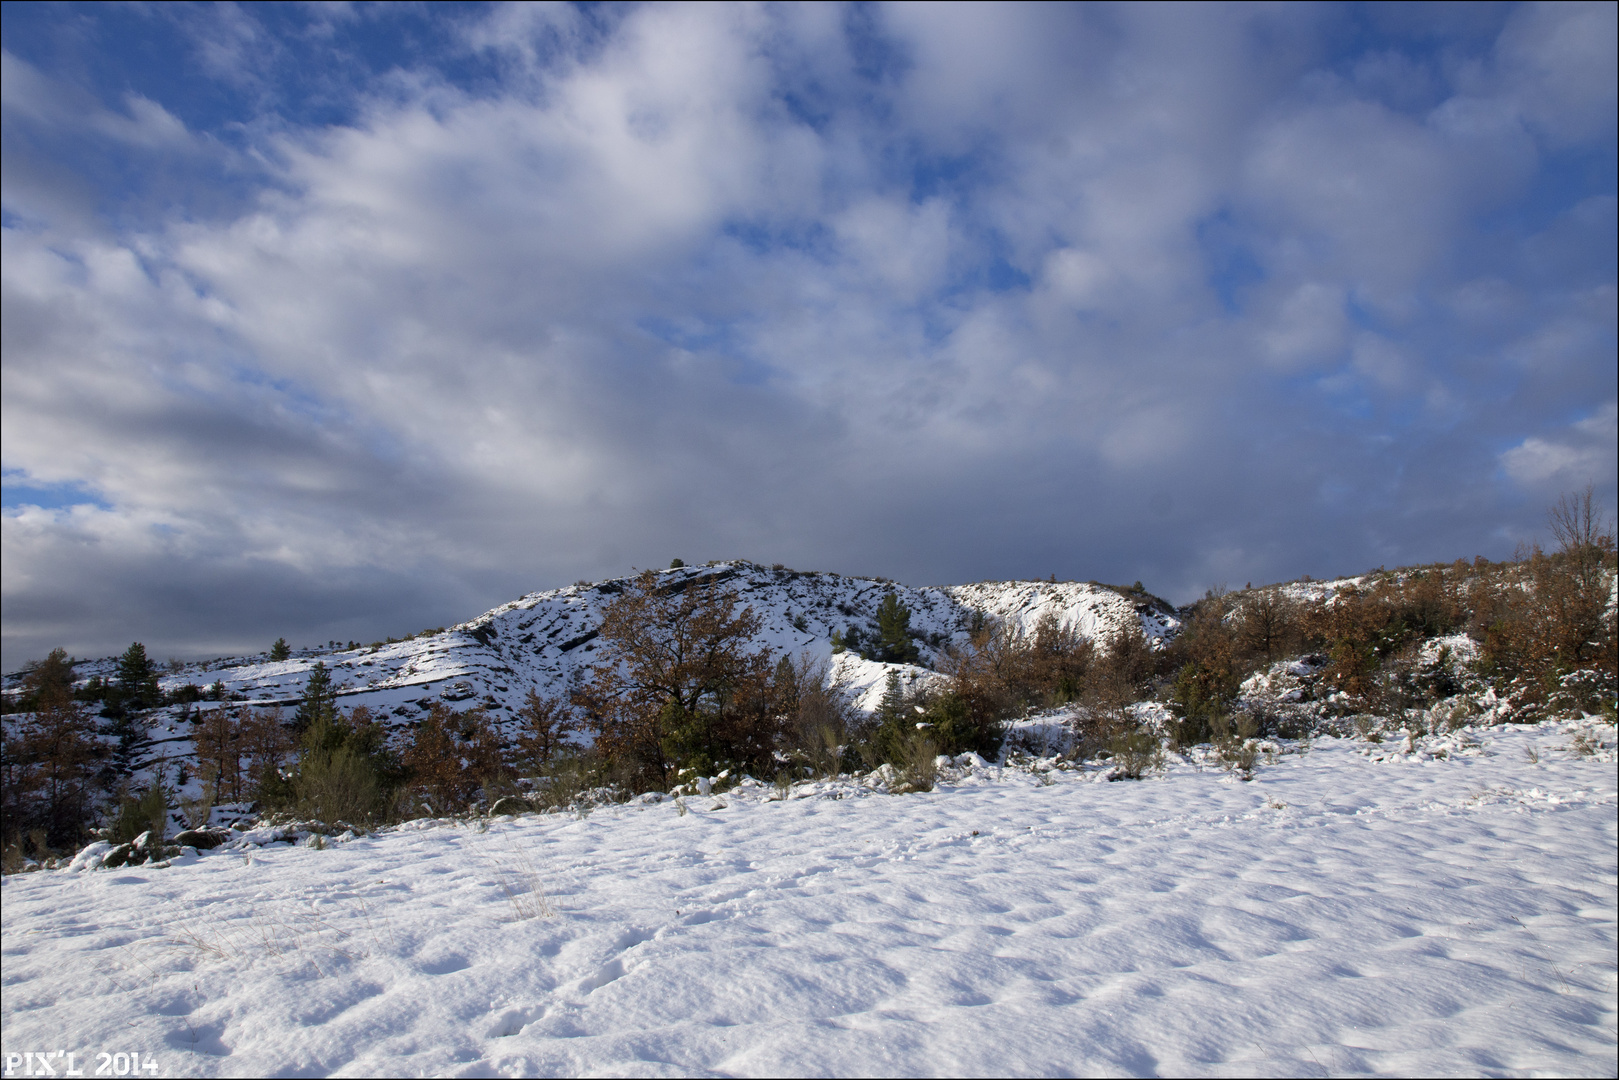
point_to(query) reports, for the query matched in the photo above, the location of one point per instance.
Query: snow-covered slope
(545, 641)
(1095, 611)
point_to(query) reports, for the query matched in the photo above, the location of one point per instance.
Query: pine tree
(131, 735)
(894, 644)
(896, 725)
(280, 650)
(892, 706)
(319, 700)
(95, 689)
(137, 679)
(854, 642)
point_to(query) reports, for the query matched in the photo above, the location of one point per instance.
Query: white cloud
(704, 281)
(1309, 327)
(1077, 278)
(1581, 453)
(903, 248)
(1381, 361)
(1559, 64)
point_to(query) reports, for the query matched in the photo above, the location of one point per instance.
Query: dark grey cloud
(1184, 295)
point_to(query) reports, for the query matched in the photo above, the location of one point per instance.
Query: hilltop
(546, 642)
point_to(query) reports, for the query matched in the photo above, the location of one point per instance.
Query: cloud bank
(342, 323)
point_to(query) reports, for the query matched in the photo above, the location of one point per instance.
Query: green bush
(1238, 751)
(1201, 701)
(335, 786)
(688, 740)
(918, 764)
(344, 772)
(136, 815)
(1135, 754)
(955, 730)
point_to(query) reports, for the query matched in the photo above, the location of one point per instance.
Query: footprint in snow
(615, 968)
(513, 1021)
(611, 971)
(697, 918)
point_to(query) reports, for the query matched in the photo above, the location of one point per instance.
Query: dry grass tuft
(525, 892)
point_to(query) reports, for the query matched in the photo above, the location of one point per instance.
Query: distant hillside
(545, 641)
(1067, 672)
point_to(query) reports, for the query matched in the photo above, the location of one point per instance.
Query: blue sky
(342, 320)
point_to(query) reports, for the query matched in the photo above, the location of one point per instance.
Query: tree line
(1543, 622)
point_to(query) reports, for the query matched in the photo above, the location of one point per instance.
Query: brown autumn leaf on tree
(218, 739)
(49, 766)
(266, 744)
(543, 727)
(452, 756)
(679, 676)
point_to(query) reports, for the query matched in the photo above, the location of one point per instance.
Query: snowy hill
(545, 641)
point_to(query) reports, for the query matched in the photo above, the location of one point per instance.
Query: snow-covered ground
(1354, 909)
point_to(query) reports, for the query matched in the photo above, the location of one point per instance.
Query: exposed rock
(147, 848)
(118, 856)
